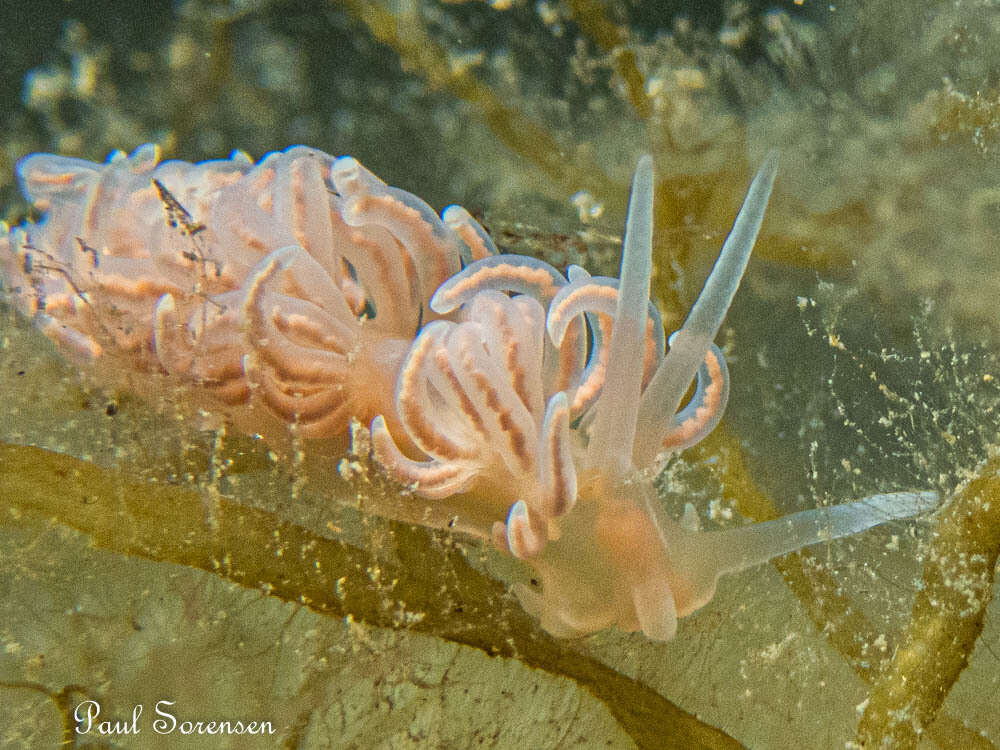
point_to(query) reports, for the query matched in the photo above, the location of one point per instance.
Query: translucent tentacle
(514, 333)
(523, 535)
(596, 298)
(689, 344)
(411, 397)
(654, 608)
(445, 406)
(597, 294)
(592, 380)
(700, 558)
(301, 201)
(710, 308)
(44, 177)
(613, 429)
(368, 200)
(513, 433)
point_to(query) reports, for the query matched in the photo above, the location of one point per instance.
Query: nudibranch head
(507, 404)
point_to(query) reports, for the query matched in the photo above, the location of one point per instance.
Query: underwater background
(145, 559)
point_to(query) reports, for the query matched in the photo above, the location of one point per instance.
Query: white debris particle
(717, 511)
(588, 207)
(348, 469)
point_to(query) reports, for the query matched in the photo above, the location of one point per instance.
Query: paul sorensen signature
(87, 716)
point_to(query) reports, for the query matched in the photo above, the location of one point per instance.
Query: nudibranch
(286, 292)
(506, 410)
(524, 406)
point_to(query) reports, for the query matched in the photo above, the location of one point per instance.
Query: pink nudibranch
(532, 408)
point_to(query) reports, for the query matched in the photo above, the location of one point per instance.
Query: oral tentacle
(690, 343)
(613, 428)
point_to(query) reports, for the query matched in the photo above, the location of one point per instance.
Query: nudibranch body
(524, 406)
(286, 292)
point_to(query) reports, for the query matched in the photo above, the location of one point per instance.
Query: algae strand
(260, 551)
(420, 54)
(946, 620)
